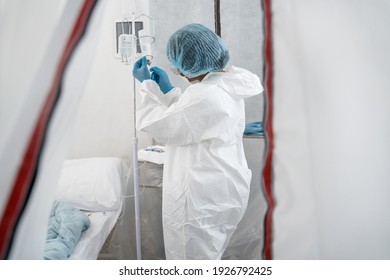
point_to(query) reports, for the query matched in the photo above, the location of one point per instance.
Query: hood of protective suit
(238, 82)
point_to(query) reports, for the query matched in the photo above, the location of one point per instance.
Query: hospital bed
(94, 186)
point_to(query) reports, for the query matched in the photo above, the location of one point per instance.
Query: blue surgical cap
(196, 50)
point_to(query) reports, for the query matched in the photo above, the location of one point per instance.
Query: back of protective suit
(206, 181)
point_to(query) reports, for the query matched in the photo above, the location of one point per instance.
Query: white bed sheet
(93, 238)
(93, 185)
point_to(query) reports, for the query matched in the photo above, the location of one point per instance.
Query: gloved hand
(161, 78)
(140, 70)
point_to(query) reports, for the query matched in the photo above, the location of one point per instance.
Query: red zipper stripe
(267, 171)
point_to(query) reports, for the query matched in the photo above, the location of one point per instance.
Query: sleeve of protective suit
(153, 90)
(200, 113)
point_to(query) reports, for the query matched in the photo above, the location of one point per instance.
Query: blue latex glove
(161, 78)
(254, 129)
(140, 70)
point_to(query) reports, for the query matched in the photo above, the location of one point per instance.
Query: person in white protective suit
(206, 179)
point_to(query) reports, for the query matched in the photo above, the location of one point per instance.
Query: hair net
(196, 50)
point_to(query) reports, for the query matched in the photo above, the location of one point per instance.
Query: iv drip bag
(125, 46)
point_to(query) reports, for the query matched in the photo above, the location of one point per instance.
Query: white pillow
(92, 184)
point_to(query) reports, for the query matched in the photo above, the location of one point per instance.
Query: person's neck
(197, 78)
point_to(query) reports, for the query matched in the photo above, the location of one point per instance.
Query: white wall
(104, 124)
(242, 30)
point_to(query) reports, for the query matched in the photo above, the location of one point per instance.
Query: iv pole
(134, 44)
(135, 139)
(135, 150)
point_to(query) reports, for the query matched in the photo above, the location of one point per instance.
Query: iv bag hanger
(145, 40)
(123, 30)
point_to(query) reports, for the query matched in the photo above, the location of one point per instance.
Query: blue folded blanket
(254, 129)
(66, 224)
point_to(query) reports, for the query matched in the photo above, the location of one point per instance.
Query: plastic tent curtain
(40, 85)
(330, 109)
(27, 76)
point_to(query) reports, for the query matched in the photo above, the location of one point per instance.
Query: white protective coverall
(206, 179)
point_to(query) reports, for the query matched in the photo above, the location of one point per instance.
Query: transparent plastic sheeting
(94, 84)
(332, 133)
(25, 80)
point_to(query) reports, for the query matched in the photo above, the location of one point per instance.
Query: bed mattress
(93, 238)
